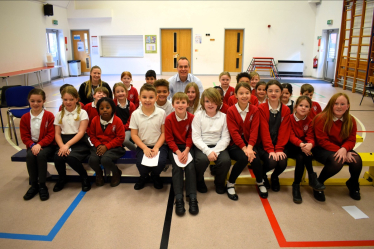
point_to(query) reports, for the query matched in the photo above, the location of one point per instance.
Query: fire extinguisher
(315, 62)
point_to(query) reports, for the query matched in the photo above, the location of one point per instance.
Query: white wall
(23, 39)
(327, 10)
(291, 36)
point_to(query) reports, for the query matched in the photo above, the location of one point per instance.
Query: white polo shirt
(168, 107)
(243, 113)
(35, 123)
(149, 127)
(69, 125)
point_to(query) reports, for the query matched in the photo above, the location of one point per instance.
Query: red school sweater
(248, 128)
(283, 132)
(224, 108)
(233, 100)
(316, 108)
(113, 136)
(301, 131)
(91, 111)
(47, 129)
(133, 96)
(230, 92)
(331, 140)
(178, 132)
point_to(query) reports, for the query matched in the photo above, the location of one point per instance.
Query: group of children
(253, 122)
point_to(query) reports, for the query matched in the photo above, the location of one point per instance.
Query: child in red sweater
(228, 91)
(255, 78)
(133, 95)
(224, 106)
(246, 78)
(179, 139)
(308, 90)
(300, 146)
(243, 120)
(124, 109)
(90, 108)
(38, 134)
(261, 92)
(335, 134)
(274, 134)
(107, 134)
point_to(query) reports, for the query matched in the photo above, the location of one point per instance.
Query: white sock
(262, 188)
(231, 190)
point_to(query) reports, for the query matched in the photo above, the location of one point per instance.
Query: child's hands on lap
(147, 152)
(154, 152)
(307, 148)
(351, 158)
(212, 156)
(250, 154)
(36, 149)
(64, 150)
(181, 156)
(101, 149)
(281, 155)
(273, 155)
(341, 155)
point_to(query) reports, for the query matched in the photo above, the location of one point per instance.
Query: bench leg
(14, 129)
(9, 128)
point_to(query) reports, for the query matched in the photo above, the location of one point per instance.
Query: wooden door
(233, 50)
(175, 43)
(81, 48)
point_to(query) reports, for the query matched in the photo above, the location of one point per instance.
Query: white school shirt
(149, 127)
(210, 131)
(124, 106)
(35, 122)
(190, 109)
(243, 113)
(297, 119)
(168, 107)
(69, 125)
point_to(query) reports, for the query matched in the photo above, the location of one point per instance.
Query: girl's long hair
(89, 83)
(197, 98)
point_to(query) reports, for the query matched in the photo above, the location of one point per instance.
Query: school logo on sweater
(231, 93)
(187, 126)
(282, 119)
(46, 124)
(131, 96)
(250, 118)
(114, 129)
(315, 108)
(305, 128)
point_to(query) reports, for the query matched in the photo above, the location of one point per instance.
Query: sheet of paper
(94, 42)
(80, 46)
(95, 50)
(355, 212)
(189, 159)
(150, 162)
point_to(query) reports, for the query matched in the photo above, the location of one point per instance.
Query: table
(26, 73)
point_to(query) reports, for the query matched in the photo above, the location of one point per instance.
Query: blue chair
(17, 97)
(3, 103)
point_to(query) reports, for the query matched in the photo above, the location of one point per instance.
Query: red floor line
(282, 240)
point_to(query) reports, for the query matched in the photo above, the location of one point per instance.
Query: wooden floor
(122, 217)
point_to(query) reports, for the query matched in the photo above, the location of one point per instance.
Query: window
(122, 46)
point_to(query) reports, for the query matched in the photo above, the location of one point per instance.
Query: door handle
(240, 54)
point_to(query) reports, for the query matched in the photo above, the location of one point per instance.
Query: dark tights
(332, 167)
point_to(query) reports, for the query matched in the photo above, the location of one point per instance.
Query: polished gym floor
(122, 217)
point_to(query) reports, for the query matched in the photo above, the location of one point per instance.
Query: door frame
(160, 46)
(56, 70)
(72, 47)
(325, 37)
(224, 38)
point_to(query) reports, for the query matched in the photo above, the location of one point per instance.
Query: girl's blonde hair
(197, 98)
(88, 88)
(120, 84)
(73, 92)
(224, 73)
(327, 114)
(213, 95)
(253, 74)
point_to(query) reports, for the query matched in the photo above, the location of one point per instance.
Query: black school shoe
(43, 193)
(33, 190)
(354, 190)
(220, 189)
(314, 183)
(296, 193)
(86, 185)
(275, 186)
(201, 187)
(157, 181)
(179, 207)
(266, 182)
(233, 197)
(319, 195)
(263, 194)
(141, 182)
(59, 185)
(194, 208)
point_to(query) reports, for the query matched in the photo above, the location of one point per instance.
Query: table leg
(61, 75)
(6, 80)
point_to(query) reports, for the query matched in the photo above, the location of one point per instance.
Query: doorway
(53, 47)
(81, 49)
(175, 43)
(330, 54)
(233, 61)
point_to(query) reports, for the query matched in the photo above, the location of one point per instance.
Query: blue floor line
(54, 230)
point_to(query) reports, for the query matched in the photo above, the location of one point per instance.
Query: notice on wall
(77, 37)
(198, 39)
(95, 50)
(94, 41)
(150, 44)
(80, 46)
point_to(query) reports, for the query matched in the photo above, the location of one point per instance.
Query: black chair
(369, 87)
(3, 103)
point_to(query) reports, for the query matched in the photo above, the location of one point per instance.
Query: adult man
(178, 82)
